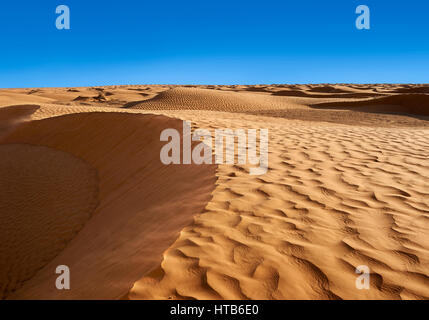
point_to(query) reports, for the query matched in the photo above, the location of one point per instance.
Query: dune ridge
(11, 116)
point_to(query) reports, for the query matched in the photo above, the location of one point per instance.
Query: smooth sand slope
(12, 116)
(101, 170)
(46, 196)
(347, 185)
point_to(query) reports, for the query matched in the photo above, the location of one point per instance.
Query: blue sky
(212, 42)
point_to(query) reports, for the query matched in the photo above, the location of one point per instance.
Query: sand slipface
(347, 185)
(46, 196)
(142, 204)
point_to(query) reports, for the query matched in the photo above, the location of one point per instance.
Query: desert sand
(81, 184)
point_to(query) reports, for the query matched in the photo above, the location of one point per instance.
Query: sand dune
(411, 89)
(417, 104)
(111, 96)
(46, 196)
(295, 107)
(328, 89)
(142, 204)
(347, 185)
(20, 96)
(212, 100)
(14, 115)
(299, 93)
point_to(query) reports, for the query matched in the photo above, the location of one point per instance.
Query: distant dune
(346, 107)
(342, 95)
(411, 89)
(417, 104)
(213, 100)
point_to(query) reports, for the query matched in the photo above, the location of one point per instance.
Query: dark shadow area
(298, 93)
(411, 104)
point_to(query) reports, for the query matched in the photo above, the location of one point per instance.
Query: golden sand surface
(347, 185)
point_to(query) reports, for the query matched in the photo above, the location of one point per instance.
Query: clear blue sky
(212, 42)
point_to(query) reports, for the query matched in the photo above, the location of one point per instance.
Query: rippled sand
(347, 185)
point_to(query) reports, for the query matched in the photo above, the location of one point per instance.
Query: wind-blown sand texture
(347, 185)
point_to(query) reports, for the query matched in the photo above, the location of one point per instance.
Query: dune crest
(11, 116)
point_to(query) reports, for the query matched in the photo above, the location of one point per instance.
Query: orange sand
(347, 185)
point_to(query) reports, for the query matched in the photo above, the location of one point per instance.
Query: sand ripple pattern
(334, 197)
